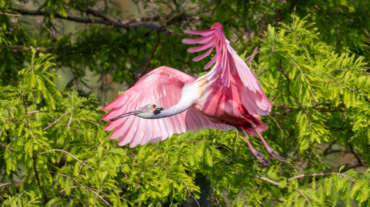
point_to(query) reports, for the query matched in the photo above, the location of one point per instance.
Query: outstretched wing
(162, 85)
(227, 63)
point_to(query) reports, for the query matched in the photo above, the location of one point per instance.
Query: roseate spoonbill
(167, 101)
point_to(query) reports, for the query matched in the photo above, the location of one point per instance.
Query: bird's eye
(153, 106)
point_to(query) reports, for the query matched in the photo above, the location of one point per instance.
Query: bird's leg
(273, 153)
(254, 151)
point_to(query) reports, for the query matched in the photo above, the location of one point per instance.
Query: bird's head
(148, 111)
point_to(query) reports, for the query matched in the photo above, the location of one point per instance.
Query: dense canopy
(61, 61)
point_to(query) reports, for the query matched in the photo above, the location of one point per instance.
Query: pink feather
(225, 61)
(162, 85)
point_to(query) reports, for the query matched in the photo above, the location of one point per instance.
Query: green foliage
(54, 150)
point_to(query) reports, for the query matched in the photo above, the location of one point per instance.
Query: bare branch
(91, 122)
(71, 18)
(70, 120)
(83, 164)
(70, 127)
(355, 154)
(5, 184)
(151, 19)
(84, 187)
(12, 15)
(277, 183)
(320, 174)
(255, 52)
(51, 124)
(3, 145)
(72, 187)
(41, 111)
(189, 191)
(195, 200)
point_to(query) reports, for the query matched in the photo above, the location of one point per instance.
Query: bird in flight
(167, 101)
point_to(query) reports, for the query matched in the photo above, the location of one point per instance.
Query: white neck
(173, 110)
(189, 96)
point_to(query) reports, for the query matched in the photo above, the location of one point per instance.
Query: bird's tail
(227, 63)
(225, 60)
(259, 125)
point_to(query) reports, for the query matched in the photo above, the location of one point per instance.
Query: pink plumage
(227, 61)
(164, 86)
(166, 101)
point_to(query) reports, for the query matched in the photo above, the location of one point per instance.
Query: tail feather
(252, 131)
(227, 63)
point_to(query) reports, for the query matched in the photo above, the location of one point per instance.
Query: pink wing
(162, 85)
(227, 63)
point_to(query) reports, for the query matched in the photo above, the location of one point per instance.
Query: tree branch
(70, 127)
(355, 154)
(41, 111)
(38, 178)
(59, 150)
(72, 187)
(285, 75)
(28, 126)
(72, 18)
(106, 155)
(3, 145)
(19, 196)
(91, 122)
(12, 15)
(313, 97)
(335, 27)
(350, 166)
(190, 193)
(245, 193)
(50, 124)
(277, 183)
(135, 79)
(94, 12)
(319, 174)
(84, 187)
(218, 202)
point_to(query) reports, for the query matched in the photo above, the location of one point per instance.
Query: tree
(311, 57)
